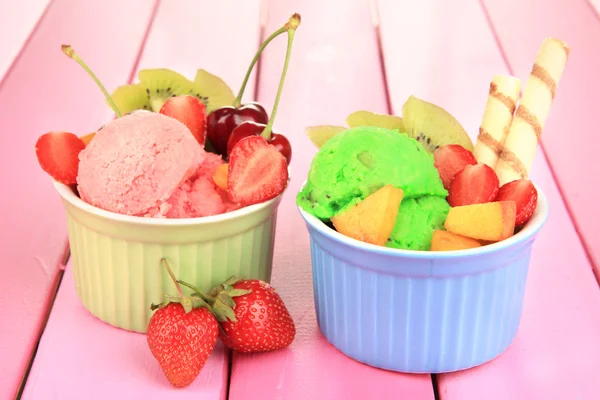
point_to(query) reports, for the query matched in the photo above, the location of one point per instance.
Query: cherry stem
(166, 265)
(294, 21)
(68, 50)
(266, 133)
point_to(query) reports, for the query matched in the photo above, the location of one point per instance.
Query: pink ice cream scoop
(199, 196)
(135, 163)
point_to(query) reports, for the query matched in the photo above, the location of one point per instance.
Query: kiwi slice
(322, 133)
(368, 118)
(432, 126)
(211, 90)
(155, 87)
(129, 98)
(161, 84)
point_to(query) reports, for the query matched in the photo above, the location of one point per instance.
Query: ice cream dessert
(357, 162)
(417, 182)
(148, 164)
(157, 158)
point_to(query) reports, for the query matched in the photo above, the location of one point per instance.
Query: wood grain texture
(119, 364)
(47, 91)
(521, 27)
(79, 354)
(220, 37)
(334, 71)
(17, 22)
(556, 353)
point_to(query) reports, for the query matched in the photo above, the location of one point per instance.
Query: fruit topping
(445, 241)
(58, 155)
(88, 138)
(320, 134)
(372, 219)
(190, 111)
(156, 86)
(368, 118)
(494, 221)
(474, 184)
(450, 159)
(257, 172)
(220, 176)
(181, 335)
(432, 126)
(524, 194)
(211, 90)
(250, 128)
(222, 121)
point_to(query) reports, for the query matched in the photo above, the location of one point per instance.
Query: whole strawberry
(181, 335)
(252, 316)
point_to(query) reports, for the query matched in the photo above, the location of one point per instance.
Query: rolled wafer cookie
(497, 117)
(526, 128)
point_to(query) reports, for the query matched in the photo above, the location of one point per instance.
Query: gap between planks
(559, 185)
(388, 100)
(67, 251)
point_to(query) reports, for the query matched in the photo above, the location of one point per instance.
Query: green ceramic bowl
(116, 258)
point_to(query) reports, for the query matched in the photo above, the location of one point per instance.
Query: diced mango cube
(494, 221)
(372, 219)
(446, 241)
(220, 176)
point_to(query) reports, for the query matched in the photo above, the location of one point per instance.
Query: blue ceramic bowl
(420, 311)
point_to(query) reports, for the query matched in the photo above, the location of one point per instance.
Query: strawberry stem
(68, 50)
(206, 298)
(292, 22)
(166, 265)
(292, 25)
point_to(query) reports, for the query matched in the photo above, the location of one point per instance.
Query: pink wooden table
(349, 55)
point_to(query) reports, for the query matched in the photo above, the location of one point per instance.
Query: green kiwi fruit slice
(320, 134)
(154, 88)
(211, 90)
(432, 126)
(162, 83)
(129, 98)
(368, 118)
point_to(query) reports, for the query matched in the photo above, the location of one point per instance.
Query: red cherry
(222, 121)
(248, 128)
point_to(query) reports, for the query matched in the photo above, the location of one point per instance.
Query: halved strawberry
(524, 194)
(58, 155)
(257, 171)
(450, 160)
(190, 111)
(474, 184)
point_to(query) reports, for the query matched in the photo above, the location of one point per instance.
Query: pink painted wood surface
(80, 354)
(521, 27)
(556, 354)
(334, 71)
(220, 37)
(17, 21)
(46, 91)
(123, 366)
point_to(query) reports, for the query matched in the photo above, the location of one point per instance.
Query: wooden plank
(334, 71)
(557, 353)
(17, 21)
(47, 91)
(521, 27)
(123, 365)
(79, 353)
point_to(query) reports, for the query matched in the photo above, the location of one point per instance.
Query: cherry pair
(226, 126)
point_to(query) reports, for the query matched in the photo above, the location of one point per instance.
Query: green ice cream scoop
(357, 162)
(416, 221)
